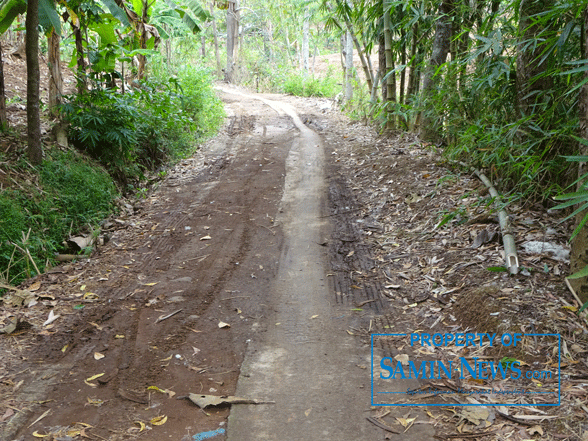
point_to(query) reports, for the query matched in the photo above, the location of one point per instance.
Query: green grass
(297, 84)
(71, 192)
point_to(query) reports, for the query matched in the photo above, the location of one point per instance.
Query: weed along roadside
(118, 144)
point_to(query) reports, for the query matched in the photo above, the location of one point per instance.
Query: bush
(141, 130)
(72, 192)
(297, 84)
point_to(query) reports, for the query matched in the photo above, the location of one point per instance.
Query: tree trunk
(364, 64)
(3, 118)
(35, 149)
(314, 57)
(232, 30)
(401, 98)
(382, 62)
(305, 40)
(441, 45)
(215, 36)
(55, 76)
(529, 69)
(579, 249)
(203, 46)
(81, 64)
(348, 66)
(411, 87)
(390, 80)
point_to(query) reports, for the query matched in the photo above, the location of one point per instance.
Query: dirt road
(216, 284)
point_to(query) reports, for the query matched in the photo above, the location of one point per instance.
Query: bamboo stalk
(510, 249)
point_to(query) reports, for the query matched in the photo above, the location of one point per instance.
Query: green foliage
(300, 85)
(9, 10)
(72, 192)
(140, 130)
(103, 124)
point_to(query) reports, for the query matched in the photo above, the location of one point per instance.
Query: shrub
(299, 85)
(159, 121)
(72, 192)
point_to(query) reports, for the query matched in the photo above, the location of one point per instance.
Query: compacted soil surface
(259, 275)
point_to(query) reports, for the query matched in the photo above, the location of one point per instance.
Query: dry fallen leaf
(223, 325)
(52, 317)
(159, 421)
(97, 326)
(203, 401)
(405, 421)
(535, 429)
(98, 356)
(206, 238)
(93, 377)
(94, 402)
(402, 358)
(35, 286)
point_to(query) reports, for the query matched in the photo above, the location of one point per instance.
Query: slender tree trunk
(305, 40)
(314, 57)
(411, 87)
(382, 63)
(3, 118)
(579, 249)
(203, 46)
(55, 76)
(348, 66)
(390, 80)
(441, 46)
(364, 64)
(81, 64)
(401, 98)
(374, 91)
(35, 149)
(215, 39)
(232, 31)
(343, 58)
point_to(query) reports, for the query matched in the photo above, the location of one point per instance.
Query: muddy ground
(185, 291)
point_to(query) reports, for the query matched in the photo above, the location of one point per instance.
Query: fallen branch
(516, 420)
(375, 422)
(466, 435)
(66, 257)
(510, 249)
(165, 317)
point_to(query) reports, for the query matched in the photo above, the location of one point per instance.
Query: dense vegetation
(119, 133)
(66, 192)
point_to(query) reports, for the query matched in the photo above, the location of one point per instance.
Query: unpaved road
(233, 245)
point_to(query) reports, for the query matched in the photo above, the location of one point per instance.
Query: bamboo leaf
(578, 275)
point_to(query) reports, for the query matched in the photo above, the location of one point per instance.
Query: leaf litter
(433, 242)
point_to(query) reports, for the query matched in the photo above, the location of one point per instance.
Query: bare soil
(183, 290)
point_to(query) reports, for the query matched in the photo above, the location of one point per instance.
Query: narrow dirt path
(304, 362)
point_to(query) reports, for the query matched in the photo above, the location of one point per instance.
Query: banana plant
(140, 14)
